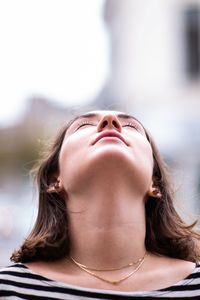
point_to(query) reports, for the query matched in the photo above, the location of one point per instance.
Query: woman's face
(109, 142)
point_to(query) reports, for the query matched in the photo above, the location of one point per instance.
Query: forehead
(105, 112)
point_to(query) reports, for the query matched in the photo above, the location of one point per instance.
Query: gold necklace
(88, 270)
(111, 269)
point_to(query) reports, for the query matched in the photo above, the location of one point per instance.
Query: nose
(109, 121)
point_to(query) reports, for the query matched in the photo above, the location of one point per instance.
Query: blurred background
(60, 57)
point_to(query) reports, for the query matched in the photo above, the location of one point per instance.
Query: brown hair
(166, 232)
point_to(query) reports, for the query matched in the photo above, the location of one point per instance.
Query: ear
(154, 191)
(55, 185)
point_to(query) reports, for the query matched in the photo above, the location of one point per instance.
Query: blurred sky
(56, 49)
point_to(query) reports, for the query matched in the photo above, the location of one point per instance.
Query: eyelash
(131, 125)
(83, 124)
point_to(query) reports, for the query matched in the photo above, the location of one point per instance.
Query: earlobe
(154, 192)
(55, 187)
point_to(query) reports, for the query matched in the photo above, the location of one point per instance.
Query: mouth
(110, 134)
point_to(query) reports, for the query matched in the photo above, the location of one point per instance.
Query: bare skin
(106, 185)
(156, 273)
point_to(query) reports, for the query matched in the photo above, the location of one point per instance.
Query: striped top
(19, 282)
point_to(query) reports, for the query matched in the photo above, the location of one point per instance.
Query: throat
(106, 244)
(106, 230)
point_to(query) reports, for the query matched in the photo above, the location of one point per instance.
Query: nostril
(104, 123)
(110, 122)
(115, 124)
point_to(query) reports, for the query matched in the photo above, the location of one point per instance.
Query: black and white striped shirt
(19, 282)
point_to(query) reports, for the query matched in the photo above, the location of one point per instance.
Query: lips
(110, 134)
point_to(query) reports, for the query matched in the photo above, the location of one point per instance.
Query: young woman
(106, 225)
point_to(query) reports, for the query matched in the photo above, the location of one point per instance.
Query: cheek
(71, 154)
(67, 154)
(148, 156)
(144, 158)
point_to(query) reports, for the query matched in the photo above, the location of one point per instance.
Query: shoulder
(11, 270)
(196, 273)
(16, 273)
(12, 274)
(9, 277)
(17, 280)
(194, 276)
(188, 287)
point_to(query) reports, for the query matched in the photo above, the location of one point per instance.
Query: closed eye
(131, 125)
(83, 124)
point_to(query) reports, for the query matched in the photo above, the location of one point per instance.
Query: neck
(106, 225)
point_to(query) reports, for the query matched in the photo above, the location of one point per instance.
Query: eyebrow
(125, 116)
(93, 115)
(88, 115)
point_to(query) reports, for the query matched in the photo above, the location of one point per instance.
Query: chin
(109, 162)
(112, 161)
(112, 154)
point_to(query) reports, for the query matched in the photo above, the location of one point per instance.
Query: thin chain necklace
(88, 270)
(111, 269)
